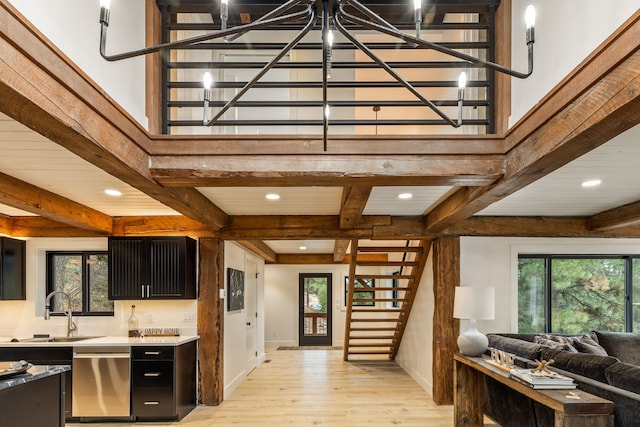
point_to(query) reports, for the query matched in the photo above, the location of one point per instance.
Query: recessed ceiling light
(112, 192)
(272, 196)
(405, 196)
(592, 183)
(302, 248)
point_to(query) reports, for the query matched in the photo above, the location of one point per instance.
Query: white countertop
(111, 341)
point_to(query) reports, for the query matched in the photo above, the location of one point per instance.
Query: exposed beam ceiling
(43, 90)
(22, 195)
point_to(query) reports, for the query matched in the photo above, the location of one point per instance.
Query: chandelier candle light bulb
(104, 12)
(207, 81)
(462, 84)
(417, 7)
(530, 22)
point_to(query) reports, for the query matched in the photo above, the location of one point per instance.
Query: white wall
(235, 330)
(567, 32)
(73, 26)
(415, 355)
(282, 300)
(24, 318)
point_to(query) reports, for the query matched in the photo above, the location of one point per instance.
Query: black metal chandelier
(343, 16)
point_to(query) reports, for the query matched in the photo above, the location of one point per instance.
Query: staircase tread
(389, 249)
(372, 337)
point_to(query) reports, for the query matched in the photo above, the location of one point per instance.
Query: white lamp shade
(474, 303)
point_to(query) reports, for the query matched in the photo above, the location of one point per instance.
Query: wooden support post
(211, 322)
(446, 276)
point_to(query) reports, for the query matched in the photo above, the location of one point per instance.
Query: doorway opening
(315, 309)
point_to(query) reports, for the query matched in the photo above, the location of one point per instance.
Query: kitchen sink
(69, 339)
(56, 339)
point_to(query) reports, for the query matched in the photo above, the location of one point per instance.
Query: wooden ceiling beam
(43, 90)
(259, 248)
(340, 249)
(586, 110)
(501, 226)
(397, 228)
(354, 200)
(29, 198)
(623, 216)
(233, 145)
(325, 258)
(6, 225)
(327, 170)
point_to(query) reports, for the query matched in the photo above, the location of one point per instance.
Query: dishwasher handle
(101, 356)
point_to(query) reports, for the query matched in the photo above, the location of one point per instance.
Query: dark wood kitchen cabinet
(163, 381)
(12, 269)
(37, 401)
(45, 356)
(152, 268)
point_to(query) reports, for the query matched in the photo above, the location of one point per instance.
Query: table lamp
(473, 304)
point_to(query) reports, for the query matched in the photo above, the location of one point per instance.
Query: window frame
(548, 258)
(359, 304)
(85, 285)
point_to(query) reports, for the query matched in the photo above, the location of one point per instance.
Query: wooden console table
(587, 411)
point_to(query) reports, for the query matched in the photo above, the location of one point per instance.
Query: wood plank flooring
(316, 387)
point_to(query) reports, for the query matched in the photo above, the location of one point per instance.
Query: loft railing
(363, 98)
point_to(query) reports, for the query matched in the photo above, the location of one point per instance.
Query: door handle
(248, 323)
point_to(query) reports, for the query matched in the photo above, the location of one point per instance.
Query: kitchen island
(160, 373)
(34, 398)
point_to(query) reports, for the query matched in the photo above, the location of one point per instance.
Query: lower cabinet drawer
(153, 403)
(152, 374)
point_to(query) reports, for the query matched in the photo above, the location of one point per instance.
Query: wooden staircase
(379, 303)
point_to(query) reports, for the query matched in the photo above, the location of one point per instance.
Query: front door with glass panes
(315, 309)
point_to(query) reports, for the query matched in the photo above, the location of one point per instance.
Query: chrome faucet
(71, 326)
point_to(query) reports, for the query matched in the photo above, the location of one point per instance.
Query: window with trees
(574, 294)
(84, 277)
(359, 294)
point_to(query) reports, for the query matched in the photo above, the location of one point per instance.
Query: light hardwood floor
(315, 387)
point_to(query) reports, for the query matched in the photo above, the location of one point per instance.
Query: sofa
(605, 364)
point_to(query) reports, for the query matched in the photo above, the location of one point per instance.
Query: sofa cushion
(546, 340)
(623, 345)
(625, 376)
(587, 365)
(525, 349)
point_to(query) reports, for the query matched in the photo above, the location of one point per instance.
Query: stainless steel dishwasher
(101, 382)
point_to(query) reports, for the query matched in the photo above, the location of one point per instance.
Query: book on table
(542, 380)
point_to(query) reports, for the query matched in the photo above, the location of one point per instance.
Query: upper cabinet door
(12, 269)
(172, 268)
(127, 272)
(152, 268)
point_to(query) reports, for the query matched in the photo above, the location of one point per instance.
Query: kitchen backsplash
(18, 319)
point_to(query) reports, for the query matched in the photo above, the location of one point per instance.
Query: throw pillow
(586, 344)
(546, 341)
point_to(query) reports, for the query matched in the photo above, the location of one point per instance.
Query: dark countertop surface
(34, 373)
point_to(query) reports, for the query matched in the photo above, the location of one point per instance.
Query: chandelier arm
(275, 12)
(365, 11)
(391, 72)
(425, 44)
(312, 22)
(196, 39)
